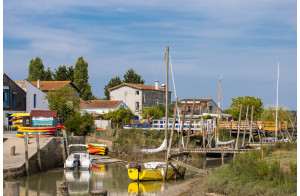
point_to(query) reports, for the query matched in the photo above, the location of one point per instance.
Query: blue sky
(239, 40)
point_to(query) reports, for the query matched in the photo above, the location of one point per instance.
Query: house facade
(138, 96)
(51, 86)
(35, 98)
(14, 100)
(101, 106)
(202, 107)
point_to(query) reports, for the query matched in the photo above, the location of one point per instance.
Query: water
(112, 177)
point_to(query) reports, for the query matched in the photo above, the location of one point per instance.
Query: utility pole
(167, 84)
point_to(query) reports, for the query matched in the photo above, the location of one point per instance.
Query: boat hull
(148, 174)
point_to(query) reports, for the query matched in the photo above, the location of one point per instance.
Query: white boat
(79, 159)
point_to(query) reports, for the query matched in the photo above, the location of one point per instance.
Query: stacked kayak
(43, 131)
(96, 149)
(16, 123)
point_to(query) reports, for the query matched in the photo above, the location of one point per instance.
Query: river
(112, 177)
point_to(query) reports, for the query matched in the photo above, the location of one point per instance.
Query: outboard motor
(76, 163)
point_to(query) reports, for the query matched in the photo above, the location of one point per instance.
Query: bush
(80, 124)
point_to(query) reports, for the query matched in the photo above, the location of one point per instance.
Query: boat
(149, 171)
(146, 188)
(79, 182)
(79, 159)
(154, 170)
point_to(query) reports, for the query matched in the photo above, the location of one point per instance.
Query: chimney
(156, 84)
(38, 83)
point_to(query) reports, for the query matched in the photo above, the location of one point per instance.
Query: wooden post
(63, 150)
(26, 153)
(288, 135)
(222, 156)
(245, 126)
(251, 125)
(230, 128)
(62, 188)
(12, 151)
(98, 192)
(239, 125)
(292, 125)
(276, 139)
(181, 129)
(38, 149)
(203, 132)
(170, 140)
(188, 137)
(65, 136)
(12, 188)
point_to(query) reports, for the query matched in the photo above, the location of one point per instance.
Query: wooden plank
(192, 168)
(246, 123)
(239, 125)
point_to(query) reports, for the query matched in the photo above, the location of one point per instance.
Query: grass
(250, 174)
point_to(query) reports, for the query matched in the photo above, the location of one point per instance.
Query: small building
(138, 96)
(43, 118)
(35, 98)
(52, 86)
(203, 106)
(14, 100)
(101, 106)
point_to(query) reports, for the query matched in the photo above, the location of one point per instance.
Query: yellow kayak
(20, 114)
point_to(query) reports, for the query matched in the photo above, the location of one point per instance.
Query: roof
(21, 84)
(53, 85)
(197, 100)
(99, 103)
(138, 86)
(43, 113)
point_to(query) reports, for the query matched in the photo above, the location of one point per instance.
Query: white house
(35, 98)
(101, 106)
(137, 96)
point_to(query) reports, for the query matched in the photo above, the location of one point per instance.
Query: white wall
(128, 96)
(103, 110)
(41, 101)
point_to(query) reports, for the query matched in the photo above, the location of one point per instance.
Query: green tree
(80, 124)
(120, 116)
(154, 112)
(48, 75)
(284, 114)
(234, 108)
(64, 73)
(64, 102)
(132, 77)
(36, 70)
(112, 83)
(81, 78)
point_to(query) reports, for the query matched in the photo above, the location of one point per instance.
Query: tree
(234, 108)
(154, 112)
(81, 78)
(48, 75)
(120, 116)
(269, 114)
(64, 73)
(132, 77)
(36, 70)
(112, 83)
(64, 102)
(80, 124)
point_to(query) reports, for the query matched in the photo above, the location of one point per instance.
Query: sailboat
(154, 170)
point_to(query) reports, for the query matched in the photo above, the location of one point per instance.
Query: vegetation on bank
(270, 171)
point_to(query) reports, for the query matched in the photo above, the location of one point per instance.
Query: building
(137, 96)
(35, 98)
(51, 86)
(101, 106)
(202, 107)
(14, 100)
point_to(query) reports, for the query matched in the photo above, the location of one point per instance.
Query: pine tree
(36, 70)
(48, 75)
(64, 73)
(81, 78)
(132, 77)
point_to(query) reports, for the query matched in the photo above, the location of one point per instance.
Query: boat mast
(219, 105)
(167, 84)
(276, 128)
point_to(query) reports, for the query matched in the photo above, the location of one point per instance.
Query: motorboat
(79, 159)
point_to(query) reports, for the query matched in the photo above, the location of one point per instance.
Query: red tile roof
(99, 104)
(43, 113)
(53, 85)
(138, 86)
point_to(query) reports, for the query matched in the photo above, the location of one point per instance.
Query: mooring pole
(38, 149)
(251, 125)
(181, 128)
(245, 127)
(26, 153)
(188, 137)
(239, 125)
(167, 88)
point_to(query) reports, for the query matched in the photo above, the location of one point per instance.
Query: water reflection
(113, 177)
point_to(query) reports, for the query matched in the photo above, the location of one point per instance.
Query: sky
(240, 40)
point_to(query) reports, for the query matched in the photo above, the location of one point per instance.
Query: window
(34, 100)
(137, 105)
(156, 101)
(5, 97)
(210, 108)
(137, 92)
